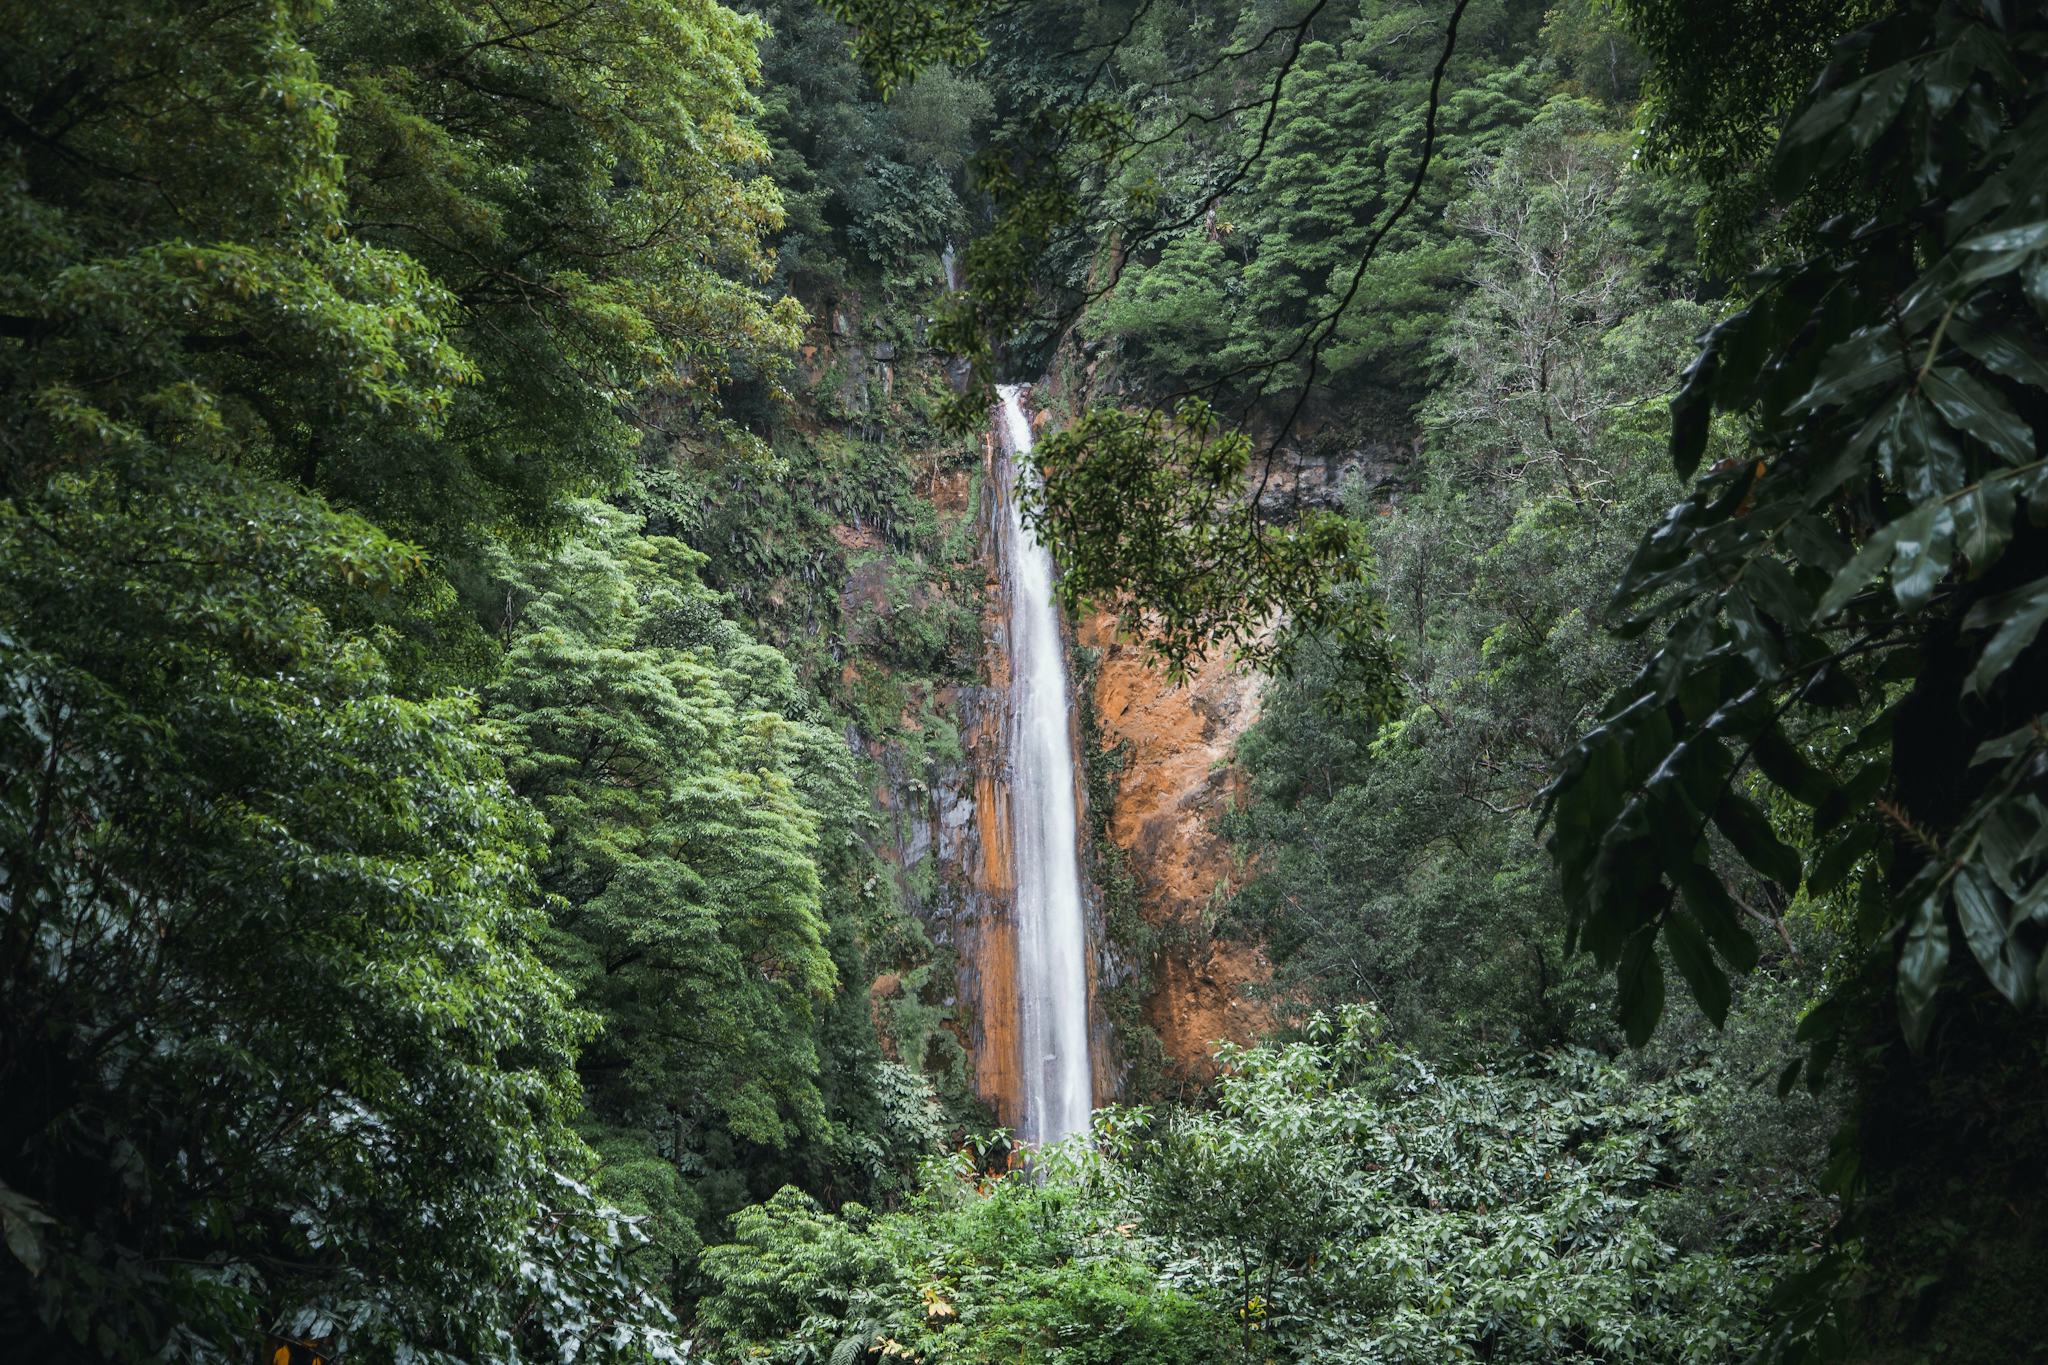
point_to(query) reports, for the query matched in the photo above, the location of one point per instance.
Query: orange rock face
(1176, 779)
(856, 538)
(948, 492)
(989, 961)
(985, 930)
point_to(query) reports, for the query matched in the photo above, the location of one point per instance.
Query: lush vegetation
(1341, 1200)
(489, 564)
(430, 909)
(1738, 693)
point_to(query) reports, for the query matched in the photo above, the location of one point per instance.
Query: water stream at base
(1052, 963)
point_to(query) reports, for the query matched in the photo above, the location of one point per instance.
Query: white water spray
(1052, 964)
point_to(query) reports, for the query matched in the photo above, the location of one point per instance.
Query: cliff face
(1177, 744)
(983, 876)
(957, 816)
(943, 800)
(946, 828)
(892, 588)
(878, 577)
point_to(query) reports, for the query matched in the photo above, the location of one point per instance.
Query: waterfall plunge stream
(1052, 944)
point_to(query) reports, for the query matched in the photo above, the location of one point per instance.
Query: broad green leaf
(1921, 963)
(1716, 912)
(1692, 410)
(2023, 237)
(1883, 98)
(2004, 353)
(1921, 455)
(1753, 638)
(1750, 831)
(1663, 547)
(1980, 910)
(1814, 542)
(1777, 593)
(1921, 561)
(2009, 745)
(2018, 615)
(1641, 979)
(20, 1217)
(1839, 858)
(1825, 116)
(1850, 118)
(1695, 962)
(2034, 281)
(1982, 268)
(1984, 518)
(1870, 559)
(1945, 79)
(1970, 405)
(2010, 835)
(1865, 361)
(1785, 765)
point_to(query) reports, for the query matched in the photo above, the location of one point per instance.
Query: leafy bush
(1343, 1201)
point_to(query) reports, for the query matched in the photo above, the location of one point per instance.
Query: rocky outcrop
(1316, 475)
(1176, 777)
(946, 818)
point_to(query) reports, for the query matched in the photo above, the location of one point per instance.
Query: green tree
(282, 1054)
(412, 258)
(1839, 627)
(282, 1059)
(968, 1274)
(585, 181)
(1400, 860)
(649, 731)
(179, 278)
(1846, 620)
(872, 186)
(1898, 451)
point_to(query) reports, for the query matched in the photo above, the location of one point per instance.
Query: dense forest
(502, 659)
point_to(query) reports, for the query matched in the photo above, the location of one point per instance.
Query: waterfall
(1052, 963)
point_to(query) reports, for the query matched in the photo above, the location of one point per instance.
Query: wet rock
(1176, 780)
